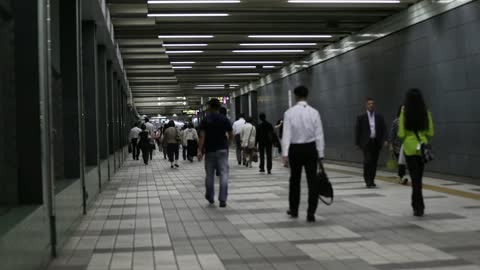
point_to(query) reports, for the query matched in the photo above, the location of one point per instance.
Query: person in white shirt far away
(303, 146)
(237, 128)
(248, 137)
(133, 139)
(151, 131)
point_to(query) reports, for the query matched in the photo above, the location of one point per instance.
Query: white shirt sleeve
(286, 135)
(319, 137)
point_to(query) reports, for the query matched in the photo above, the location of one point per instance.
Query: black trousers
(415, 167)
(172, 151)
(371, 153)
(265, 148)
(146, 149)
(135, 149)
(402, 169)
(299, 156)
(239, 149)
(184, 152)
(191, 149)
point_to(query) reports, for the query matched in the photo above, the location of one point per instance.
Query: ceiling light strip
(182, 67)
(252, 62)
(184, 36)
(186, 45)
(268, 51)
(183, 62)
(237, 67)
(182, 52)
(195, 2)
(188, 15)
(290, 36)
(278, 44)
(345, 1)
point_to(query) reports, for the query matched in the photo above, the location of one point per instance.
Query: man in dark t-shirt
(213, 144)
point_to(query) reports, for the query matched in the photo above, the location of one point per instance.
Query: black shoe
(176, 165)
(262, 170)
(373, 185)
(311, 218)
(239, 163)
(418, 213)
(405, 181)
(292, 214)
(223, 204)
(211, 201)
(269, 172)
(171, 166)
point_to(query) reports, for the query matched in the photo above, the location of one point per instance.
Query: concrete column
(252, 106)
(70, 38)
(244, 108)
(27, 102)
(102, 101)
(238, 107)
(89, 53)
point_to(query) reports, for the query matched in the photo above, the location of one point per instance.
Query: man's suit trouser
(370, 159)
(299, 156)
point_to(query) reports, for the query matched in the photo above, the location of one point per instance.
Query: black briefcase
(325, 189)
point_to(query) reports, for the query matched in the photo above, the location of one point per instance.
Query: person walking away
(303, 146)
(171, 137)
(144, 143)
(237, 128)
(151, 132)
(265, 138)
(415, 128)
(279, 126)
(133, 138)
(248, 138)
(213, 143)
(370, 135)
(396, 146)
(164, 142)
(191, 139)
(183, 142)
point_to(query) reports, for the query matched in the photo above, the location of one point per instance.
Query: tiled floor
(154, 217)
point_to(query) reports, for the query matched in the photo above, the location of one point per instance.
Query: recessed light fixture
(268, 51)
(289, 36)
(252, 62)
(186, 45)
(194, 2)
(184, 36)
(278, 44)
(183, 62)
(180, 52)
(182, 67)
(347, 1)
(234, 67)
(188, 15)
(268, 66)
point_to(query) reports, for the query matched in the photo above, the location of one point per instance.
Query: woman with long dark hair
(415, 128)
(172, 138)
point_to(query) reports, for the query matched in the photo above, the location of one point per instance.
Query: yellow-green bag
(392, 163)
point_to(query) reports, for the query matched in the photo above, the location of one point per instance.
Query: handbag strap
(250, 136)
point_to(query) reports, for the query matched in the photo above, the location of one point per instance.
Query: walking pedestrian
(190, 138)
(237, 128)
(151, 132)
(133, 138)
(213, 144)
(370, 135)
(415, 129)
(144, 143)
(303, 146)
(248, 137)
(265, 139)
(172, 138)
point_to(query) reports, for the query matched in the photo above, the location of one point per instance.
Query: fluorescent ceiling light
(186, 45)
(172, 52)
(211, 87)
(216, 85)
(184, 36)
(289, 36)
(236, 67)
(346, 1)
(182, 67)
(241, 74)
(278, 44)
(183, 62)
(193, 1)
(268, 66)
(252, 62)
(189, 15)
(268, 51)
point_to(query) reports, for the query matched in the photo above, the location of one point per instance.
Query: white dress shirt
(371, 122)
(134, 133)
(238, 126)
(248, 136)
(150, 129)
(302, 124)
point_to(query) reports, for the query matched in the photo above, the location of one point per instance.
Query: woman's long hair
(171, 123)
(416, 113)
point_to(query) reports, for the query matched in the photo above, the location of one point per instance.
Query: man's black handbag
(324, 186)
(425, 150)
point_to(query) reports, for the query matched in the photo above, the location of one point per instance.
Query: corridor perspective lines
(155, 217)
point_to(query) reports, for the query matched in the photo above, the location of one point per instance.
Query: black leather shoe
(209, 201)
(418, 213)
(269, 172)
(223, 204)
(311, 218)
(261, 170)
(292, 214)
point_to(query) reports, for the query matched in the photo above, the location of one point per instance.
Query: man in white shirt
(237, 129)
(151, 131)
(133, 138)
(303, 146)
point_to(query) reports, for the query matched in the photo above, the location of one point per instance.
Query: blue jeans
(216, 160)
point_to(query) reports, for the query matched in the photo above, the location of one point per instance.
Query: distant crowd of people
(299, 138)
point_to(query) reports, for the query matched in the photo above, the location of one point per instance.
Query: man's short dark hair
(136, 124)
(369, 99)
(263, 117)
(301, 91)
(147, 120)
(214, 104)
(242, 115)
(249, 119)
(223, 111)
